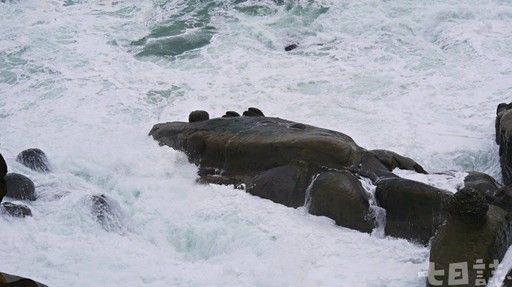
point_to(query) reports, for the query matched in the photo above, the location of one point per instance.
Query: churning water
(85, 81)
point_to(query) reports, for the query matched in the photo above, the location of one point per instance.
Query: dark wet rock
(393, 160)
(106, 211)
(340, 196)
(34, 159)
(414, 210)
(504, 140)
(503, 198)
(231, 114)
(285, 184)
(477, 245)
(16, 210)
(291, 47)
(198, 116)
(469, 205)
(253, 112)
(9, 280)
(3, 172)
(482, 182)
(20, 187)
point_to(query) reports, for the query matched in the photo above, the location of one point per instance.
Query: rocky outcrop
(3, 172)
(20, 187)
(34, 159)
(504, 140)
(277, 159)
(340, 196)
(414, 210)
(253, 144)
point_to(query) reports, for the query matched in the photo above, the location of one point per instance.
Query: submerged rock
(34, 159)
(414, 210)
(20, 187)
(106, 211)
(340, 196)
(16, 210)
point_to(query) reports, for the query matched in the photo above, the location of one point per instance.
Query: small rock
(253, 112)
(34, 159)
(198, 116)
(231, 114)
(291, 47)
(16, 210)
(20, 187)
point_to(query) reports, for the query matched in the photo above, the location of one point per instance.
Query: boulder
(16, 210)
(340, 196)
(482, 182)
(34, 159)
(20, 187)
(3, 172)
(504, 140)
(465, 252)
(285, 184)
(106, 211)
(414, 210)
(198, 116)
(231, 114)
(9, 280)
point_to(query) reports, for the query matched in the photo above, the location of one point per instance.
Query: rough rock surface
(414, 210)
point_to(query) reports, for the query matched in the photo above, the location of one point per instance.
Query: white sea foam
(420, 78)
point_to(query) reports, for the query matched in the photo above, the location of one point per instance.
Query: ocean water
(86, 80)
